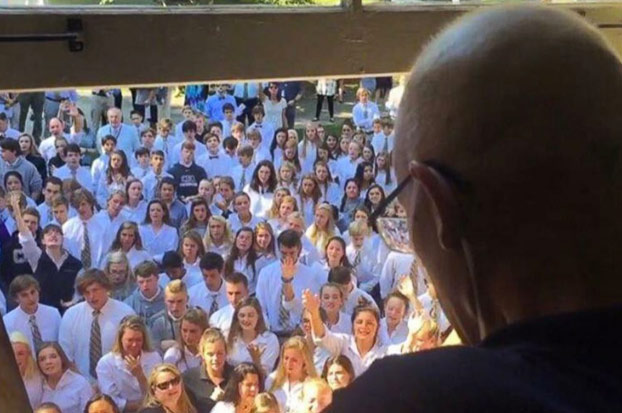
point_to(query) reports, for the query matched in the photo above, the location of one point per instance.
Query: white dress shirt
(75, 330)
(345, 168)
(83, 176)
(136, 214)
(157, 243)
(398, 336)
(223, 407)
(269, 294)
(215, 164)
(368, 269)
(260, 202)
(34, 388)
(73, 241)
(134, 256)
(71, 394)
(48, 322)
(222, 319)
(117, 381)
(355, 296)
(345, 344)
(236, 223)
(111, 226)
(237, 172)
(266, 130)
(268, 344)
(343, 325)
(173, 356)
(43, 209)
(363, 115)
(200, 296)
(378, 142)
(396, 265)
(150, 184)
(289, 395)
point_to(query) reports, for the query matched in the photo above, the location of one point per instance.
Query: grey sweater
(30, 176)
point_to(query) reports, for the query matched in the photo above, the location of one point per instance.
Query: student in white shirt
(338, 372)
(323, 228)
(295, 366)
(361, 254)
(265, 128)
(122, 373)
(365, 111)
(30, 374)
(316, 395)
(290, 152)
(309, 254)
(73, 170)
(261, 188)
(52, 188)
(76, 326)
(277, 146)
(353, 296)
(100, 165)
(174, 269)
(85, 227)
(218, 237)
(184, 354)
(244, 259)
(111, 217)
(214, 161)
(70, 391)
(286, 206)
(331, 300)
(309, 195)
(397, 265)
(244, 384)
(129, 242)
(152, 180)
(236, 287)
(381, 141)
(158, 237)
(136, 207)
(198, 217)
(260, 152)
(287, 177)
(189, 130)
(385, 175)
(38, 322)
(142, 168)
(307, 148)
(209, 295)
(394, 325)
(243, 173)
(281, 283)
(346, 166)
(243, 216)
(114, 178)
(330, 190)
(249, 339)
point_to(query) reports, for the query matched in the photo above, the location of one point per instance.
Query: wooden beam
(154, 46)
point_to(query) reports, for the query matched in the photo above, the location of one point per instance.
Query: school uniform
(363, 115)
(46, 320)
(343, 324)
(266, 342)
(397, 336)
(57, 278)
(395, 266)
(111, 226)
(218, 164)
(236, 223)
(127, 138)
(174, 356)
(73, 232)
(222, 319)
(266, 130)
(289, 395)
(382, 143)
(366, 267)
(269, 294)
(200, 296)
(247, 172)
(75, 327)
(157, 243)
(135, 214)
(71, 393)
(177, 213)
(115, 380)
(150, 184)
(261, 201)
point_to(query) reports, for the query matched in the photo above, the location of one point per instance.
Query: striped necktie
(36, 333)
(85, 254)
(214, 307)
(95, 344)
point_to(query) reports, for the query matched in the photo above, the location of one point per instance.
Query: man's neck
(84, 218)
(54, 251)
(216, 290)
(29, 311)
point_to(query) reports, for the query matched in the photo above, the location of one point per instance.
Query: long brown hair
(236, 329)
(234, 254)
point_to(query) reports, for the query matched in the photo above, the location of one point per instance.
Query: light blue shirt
(214, 104)
(127, 139)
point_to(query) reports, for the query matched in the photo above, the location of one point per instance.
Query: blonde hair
(183, 403)
(319, 237)
(211, 335)
(299, 344)
(274, 208)
(227, 236)
(357, 228)
(320, 384)
(266, 403)
(176, 287)
(31, 370)
(134, 323)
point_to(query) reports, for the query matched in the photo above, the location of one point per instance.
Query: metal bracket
(74, 36)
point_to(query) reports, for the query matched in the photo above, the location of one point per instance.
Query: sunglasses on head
(168, 384)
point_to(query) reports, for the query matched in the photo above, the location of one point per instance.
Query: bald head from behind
(510, 124)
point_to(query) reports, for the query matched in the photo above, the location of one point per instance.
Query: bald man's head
(522, 104)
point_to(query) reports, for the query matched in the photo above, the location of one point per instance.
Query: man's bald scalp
(521, 101)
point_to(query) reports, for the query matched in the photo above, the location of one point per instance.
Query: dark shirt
(155, 409)
(57, 284)
(14, 262)
(187, 178)
(39, 163)
(199, 387)
(564, 363)
(290, 90)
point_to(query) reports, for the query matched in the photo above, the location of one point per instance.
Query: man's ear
(444, 203)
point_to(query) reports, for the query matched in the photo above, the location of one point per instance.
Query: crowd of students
(223, 264)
